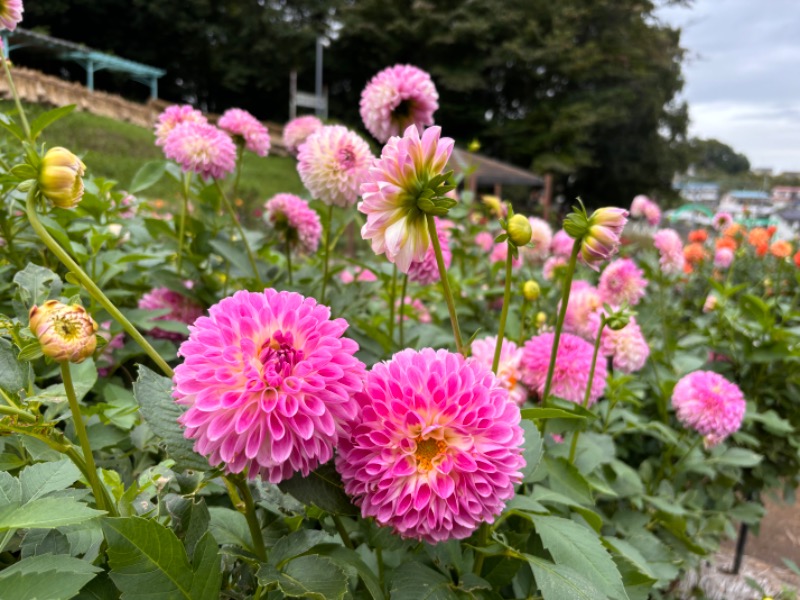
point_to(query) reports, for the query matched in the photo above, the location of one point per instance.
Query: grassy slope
(115, 150)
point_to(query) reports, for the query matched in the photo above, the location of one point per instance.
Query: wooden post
(547, 196)
(292, 94)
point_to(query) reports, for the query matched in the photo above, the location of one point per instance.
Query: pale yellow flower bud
(60, 177)
(519, 230)
(541, 319)
(531, 290)
(66, 332)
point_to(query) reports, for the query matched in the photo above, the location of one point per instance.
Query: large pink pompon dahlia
(622, 282)
(296, 131)
(292, 215)
(201, 148)
(241, 124)
(437, 447)
(175, 115)
(508, 370)
(333, 164)
(397, 97)
(395, 225)
(269, 382)
(710, 404)
(571, 374)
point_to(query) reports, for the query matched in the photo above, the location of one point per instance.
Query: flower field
(385, 388)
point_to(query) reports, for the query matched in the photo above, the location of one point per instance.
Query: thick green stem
(250, 256)
(342, 532)
(448, 295)
(182, 226)
(251, 516)
(327, 254)
(483, 541)
(573, 259)
(13, 411)
(401, 316)
(392, 299)
(498, 347)
(83, 438)
(90, 286)
(13, 89)
(574, 446)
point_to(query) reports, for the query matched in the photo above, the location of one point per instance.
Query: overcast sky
(742, 76)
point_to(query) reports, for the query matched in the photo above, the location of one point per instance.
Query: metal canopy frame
(91, 60)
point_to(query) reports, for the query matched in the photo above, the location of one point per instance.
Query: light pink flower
(10, 14)
(562, 244)
(584, 301)
(541, 238)
(296, 131)
(333, 163)
(181, 309)
(269, 382)
(362, 275)
(240, 123)
(652, 213)
(396, 98)
(175, 115)
(395, 226)
(644, 207)
(113, 342)
(484, 240)
(670, 246)
(571, 374)
(436, 449)
(426, 271)
(499, 254)
(722, 220)
(710, 404)
(622, 281)
(638, 205)
(551, 264)
(723, 258)
(710, 304)
(414, 307)
(508, 371)
(293, 215)
(627, 346)
(202, 149)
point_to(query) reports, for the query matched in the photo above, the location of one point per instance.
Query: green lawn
(115, 150)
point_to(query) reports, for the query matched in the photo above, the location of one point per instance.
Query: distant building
(746, 205)
(699, 191)
(791, 174)
(763, 171)
(784, 195)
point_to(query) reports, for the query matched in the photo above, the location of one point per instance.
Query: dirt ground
(779, 536)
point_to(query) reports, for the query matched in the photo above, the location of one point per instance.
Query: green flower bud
(60, 177)
(519, 230)
(531, 290)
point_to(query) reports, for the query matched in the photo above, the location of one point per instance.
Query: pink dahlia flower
(723, 258)
(10, 14)
(113, 342)
(395, 226)
(293, 215)
(638, 206)
(333, 163)
(426, 271)
(541, 238)
(508, 371)
(550, 266)
(562, 244)
(181, 309)
(722, 220)
(670, 246)
(415, 308)
(436, 449)
(710, 304)
(499, 254)
(710, 404)
(627, 347)
(269, 382)
(484, 240)
(396, 98)
(241, 124)
(296, 131)
(571, 374)
(622, 282)
(202, 149)
(603, 236)
(175, 115)
(584, 301)
(653, 214)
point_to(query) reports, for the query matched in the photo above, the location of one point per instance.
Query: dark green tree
(712, 156)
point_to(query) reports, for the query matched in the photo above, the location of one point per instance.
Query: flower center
(66, 328)
(347, 158)
(278, 357)
(427, 451)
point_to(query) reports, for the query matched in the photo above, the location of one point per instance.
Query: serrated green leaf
(84, 376)
(51, 577)
(36, 285)
(42, 478)
(45, 513)
(295, 544)
(415, 581)
(207, 578)
(48, 118)
(345, 557)
(148, 175)
(15, 375)
(566, 479)
(154, 395)
(313, 576)
(323, 487)
(229, 527)
(560, 582)
(533, 450)
(737, 457)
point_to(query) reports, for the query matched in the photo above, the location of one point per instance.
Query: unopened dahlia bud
(541, 319)
(519, 230)
(66, 332)
(531, 290)
(602, 238)
(60, 177)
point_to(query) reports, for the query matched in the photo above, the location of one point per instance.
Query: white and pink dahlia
(201, 148)
(584, 301)
(499, 254)
(670, 247)
(10, 14)
(571, 374)
(722, 220)
(395, 225)
(180, 309)
(710, 404)
(241, 124)
(296, 131)
(622, 282)
(562, 244)
(426, 271)
(541, 238)
(396, 98)
(723, 258)
(292, 215)
(269, 382)
(175, 115)
(627, 347)
(333, 163)
(436, 449)
(508, 370)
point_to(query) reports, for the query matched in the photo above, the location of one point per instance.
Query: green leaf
(50, 577)
(566, 479)
(36, 285)
(229, 527)
(536, 414)
(45, 513)
(48, 118)
(84, 376)
(560, 582)
(414, 581)
(148, 175)
(737, 457)
(154, 395)
(148, 559)
(42, 478)
(533, 450)
(630, 553)
(313, 576)
(14, 374)
(579, 548)
(345, 557)
(323, 488)
(295, 544)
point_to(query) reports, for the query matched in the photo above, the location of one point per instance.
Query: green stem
(685, 456)
(83, 438)
(250, 256)
(522, 315)
(288, 250)
(401, 317)
(574, 446)
(182, 226)
(573, 259)
(13, 89)
(251, 516)
(448, 295)
(342, 532)
(22, 415)
(327, 254)
(90, 286)
(239, 161)
(379, 560)
(504, 312)
(483, 541)
(392, 298)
